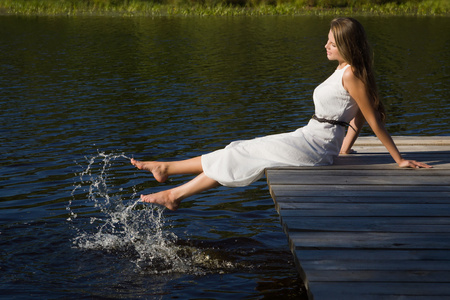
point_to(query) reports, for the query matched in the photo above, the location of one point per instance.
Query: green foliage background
(225, 7)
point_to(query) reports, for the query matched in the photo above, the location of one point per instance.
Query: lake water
(80, 96)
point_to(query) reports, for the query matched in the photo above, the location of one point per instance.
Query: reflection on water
(80, 96)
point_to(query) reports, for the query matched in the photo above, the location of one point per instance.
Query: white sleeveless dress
(243, 162)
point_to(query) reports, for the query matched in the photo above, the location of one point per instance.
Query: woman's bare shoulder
(349, 74)
(350, 80)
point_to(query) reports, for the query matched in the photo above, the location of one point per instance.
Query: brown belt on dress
(333, 122)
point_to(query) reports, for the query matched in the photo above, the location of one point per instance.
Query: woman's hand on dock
(405, 163)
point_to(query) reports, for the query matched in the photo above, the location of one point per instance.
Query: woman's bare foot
(164, 198)
(158, 169)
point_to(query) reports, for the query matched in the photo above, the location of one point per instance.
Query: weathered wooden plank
(350, 190)
(384, 224)
(368, 161)
(373, 265)
(406, 140)
(360, 188)
(430, 152)
(380, 290)
(371, 240)
(367, 210)
(405, 149)
(365, 172)
(292, 177)
(286, 195)
(380, 152)
(372, 254)
(378, 158)
(365, 275)
(407, 198)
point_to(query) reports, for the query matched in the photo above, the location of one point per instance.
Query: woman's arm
(352, 133)
(357, 90)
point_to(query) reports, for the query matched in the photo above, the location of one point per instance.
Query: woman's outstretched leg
(162, 170)
(173, 197)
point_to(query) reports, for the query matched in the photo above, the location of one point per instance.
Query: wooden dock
(364, 228)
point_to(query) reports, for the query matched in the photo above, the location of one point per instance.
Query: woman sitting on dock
(347, 98)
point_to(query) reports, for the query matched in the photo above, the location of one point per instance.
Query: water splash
(107, 216)
(95, 182)
(117, 221)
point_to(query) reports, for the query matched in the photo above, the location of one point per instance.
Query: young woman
(348, 97)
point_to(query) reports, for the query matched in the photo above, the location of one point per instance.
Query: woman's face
(332, 50)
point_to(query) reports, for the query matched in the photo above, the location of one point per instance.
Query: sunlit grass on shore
(224, 7)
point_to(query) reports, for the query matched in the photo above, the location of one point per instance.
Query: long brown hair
(351, 41)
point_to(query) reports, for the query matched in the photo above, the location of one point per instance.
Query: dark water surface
(80, 96)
